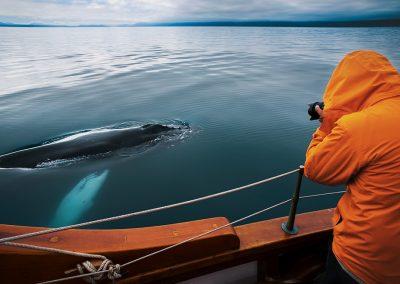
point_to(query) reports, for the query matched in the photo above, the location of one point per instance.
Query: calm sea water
(243, 91)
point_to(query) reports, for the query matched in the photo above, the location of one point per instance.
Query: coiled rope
(105, 267)
(95, 273)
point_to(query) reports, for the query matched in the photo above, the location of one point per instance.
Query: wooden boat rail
(226, 245)
(229, 247)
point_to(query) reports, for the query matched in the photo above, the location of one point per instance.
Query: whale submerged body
(78, 200)
(84, 144)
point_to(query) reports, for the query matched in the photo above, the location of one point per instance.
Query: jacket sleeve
(332, 158)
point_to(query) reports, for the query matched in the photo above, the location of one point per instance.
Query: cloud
(131, 11)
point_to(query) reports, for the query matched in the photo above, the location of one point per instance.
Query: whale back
(85, 144)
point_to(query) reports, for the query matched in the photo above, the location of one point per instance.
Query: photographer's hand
(320, 112)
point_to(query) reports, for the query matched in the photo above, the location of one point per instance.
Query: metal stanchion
(289, 227)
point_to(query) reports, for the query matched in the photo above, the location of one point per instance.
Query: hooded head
(361, 79)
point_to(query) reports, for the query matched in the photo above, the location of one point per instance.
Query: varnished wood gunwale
(214, 252)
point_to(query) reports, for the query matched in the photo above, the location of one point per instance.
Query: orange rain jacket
(358, 144)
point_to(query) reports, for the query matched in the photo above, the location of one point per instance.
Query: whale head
(156, 128)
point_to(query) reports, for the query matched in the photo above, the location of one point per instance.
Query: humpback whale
(89, 143)
(79, 199)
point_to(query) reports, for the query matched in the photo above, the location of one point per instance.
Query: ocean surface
(242, 91)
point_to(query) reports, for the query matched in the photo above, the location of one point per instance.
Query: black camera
(312, 112)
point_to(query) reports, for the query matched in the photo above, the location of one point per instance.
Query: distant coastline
(332, 24)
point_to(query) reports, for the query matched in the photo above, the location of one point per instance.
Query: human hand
(320, 112)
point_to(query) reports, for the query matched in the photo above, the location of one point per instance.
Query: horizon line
(231, 23)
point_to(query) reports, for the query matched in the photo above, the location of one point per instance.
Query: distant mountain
(38, 25)
(25, 25)
(349, 23)
(356, 23)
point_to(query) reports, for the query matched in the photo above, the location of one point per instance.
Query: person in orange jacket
(358, 144)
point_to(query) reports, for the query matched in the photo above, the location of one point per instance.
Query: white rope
(190, 239)
(55, 250)
(115, 218)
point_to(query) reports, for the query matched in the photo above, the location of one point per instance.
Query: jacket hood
(361, 79)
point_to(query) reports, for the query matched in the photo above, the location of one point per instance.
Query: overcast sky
(133, 11)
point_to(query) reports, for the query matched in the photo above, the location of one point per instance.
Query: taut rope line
(56, 250)
(189, 239)
(119, 217)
